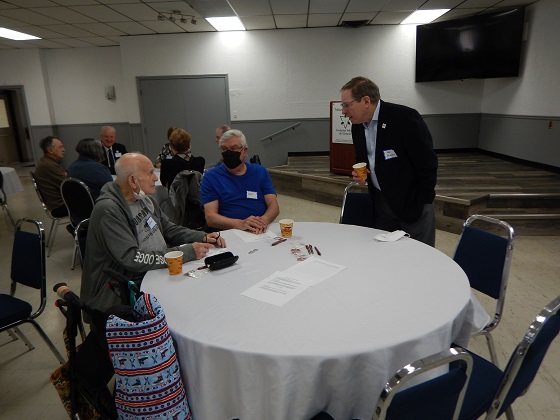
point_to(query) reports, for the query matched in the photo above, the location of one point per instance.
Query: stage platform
(468, 183)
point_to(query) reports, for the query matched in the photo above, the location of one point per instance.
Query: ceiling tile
(323, 19)
(30, 3)
(258, 22)
(100, 13)
(250, 7)
(69, 30)
(289, 7)
(131, 28)
(101, 29)
(359, 16)
(326, 6)
(402, 5)
(28, 16)
(100, 41)
(136, 11)
(39, 31)
(365, 5)
(291, 21)
(63, 14)
(389, 18)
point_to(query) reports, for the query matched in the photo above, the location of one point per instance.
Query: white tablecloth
(12, 184)
(332, 347)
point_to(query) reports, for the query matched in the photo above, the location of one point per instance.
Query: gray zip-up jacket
(112, 242)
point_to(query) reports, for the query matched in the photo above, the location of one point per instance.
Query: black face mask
(231, 159)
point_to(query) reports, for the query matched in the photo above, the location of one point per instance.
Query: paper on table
(314, 270)
(251, 237)
(282, 286)
(277, 289)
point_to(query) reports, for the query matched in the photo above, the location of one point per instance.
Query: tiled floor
(24, 375)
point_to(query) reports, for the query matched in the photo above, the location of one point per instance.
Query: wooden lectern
(342, 154)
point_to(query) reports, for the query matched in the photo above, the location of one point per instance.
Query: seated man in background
(237, 194)
(112, 151)
(129, 233)
(219, 131)
(49, 174)
(87, 167)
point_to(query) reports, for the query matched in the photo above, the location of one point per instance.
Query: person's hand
(357, 179)
(216, 239)
(201, 249)
(254, 224)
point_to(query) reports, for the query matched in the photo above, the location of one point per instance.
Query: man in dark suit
(397, 146)
(113, 151)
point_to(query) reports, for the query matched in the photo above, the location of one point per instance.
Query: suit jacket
(119, 150)
(405, 161)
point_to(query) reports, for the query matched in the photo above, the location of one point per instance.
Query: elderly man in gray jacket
(129, 233)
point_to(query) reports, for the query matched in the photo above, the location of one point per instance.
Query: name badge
(118, 154)
(252, 195)
(389, 154)
(151, 223)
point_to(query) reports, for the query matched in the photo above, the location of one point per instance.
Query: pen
(279, 241)
(202, 268)
(318, 252)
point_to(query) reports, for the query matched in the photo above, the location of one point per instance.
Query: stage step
(309, 177)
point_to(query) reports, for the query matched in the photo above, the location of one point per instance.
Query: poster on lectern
(341, 127)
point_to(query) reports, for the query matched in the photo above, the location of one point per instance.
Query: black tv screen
(478, 47)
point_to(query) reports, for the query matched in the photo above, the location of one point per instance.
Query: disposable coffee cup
(174, 260)
(286, 227)
(361, 170)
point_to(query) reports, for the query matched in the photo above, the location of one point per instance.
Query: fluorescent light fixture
(15, 35)
(424, 16)
(229, 23)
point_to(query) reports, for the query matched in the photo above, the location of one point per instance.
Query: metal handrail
(269, 137)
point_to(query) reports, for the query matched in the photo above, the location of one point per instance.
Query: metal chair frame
(79, 231)
(55, 220)
(4, 200)
(517, 359)
(19, 265)
(404, 375)
(500, 300)
(347, 199)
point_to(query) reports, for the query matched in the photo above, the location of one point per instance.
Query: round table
(333, 346)
(12, 183)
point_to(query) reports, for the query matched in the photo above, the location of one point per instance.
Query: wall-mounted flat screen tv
(478, 47)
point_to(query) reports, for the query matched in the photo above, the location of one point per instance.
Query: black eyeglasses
(233, 149)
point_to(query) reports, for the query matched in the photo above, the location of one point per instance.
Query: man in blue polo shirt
(236, 194)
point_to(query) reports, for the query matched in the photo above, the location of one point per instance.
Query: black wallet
(223, 260)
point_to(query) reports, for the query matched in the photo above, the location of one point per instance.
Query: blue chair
(499, 389)
(357, 208)
(28, 269)
(79, 202)
(486, 258)
(438, 398)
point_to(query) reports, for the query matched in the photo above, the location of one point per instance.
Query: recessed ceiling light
(15, 35)
(230, 23)
(424, 16)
